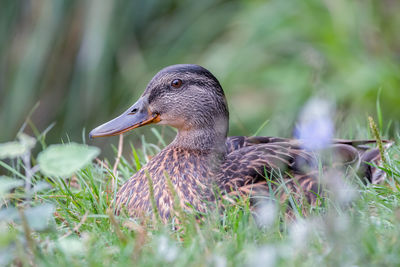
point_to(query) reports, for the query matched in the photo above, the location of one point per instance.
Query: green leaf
(27, 141)
(6, 255)
(16, 149)
(8, 214)
(64, 160)
(71, 246)
(12, 150)
(7, 183)
(39, 217)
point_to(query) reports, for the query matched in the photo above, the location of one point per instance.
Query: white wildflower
(167, 250)
(315, 127)
(265, 213)
(299, 232)
(263, 257)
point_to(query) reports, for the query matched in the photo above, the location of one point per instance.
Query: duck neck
(205, 139)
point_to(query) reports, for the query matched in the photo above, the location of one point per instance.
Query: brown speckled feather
(251, 162)
(251, 166)
(190, 173)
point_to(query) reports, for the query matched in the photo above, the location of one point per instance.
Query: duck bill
(136, 116)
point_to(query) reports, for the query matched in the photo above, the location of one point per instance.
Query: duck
(203, 160)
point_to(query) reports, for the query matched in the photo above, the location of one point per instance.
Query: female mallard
(201, 158)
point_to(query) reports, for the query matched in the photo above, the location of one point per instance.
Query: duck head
(186, 97)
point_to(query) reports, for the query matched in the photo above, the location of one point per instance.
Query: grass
(81, 229)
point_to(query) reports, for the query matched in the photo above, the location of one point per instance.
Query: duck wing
(256, 168)
(256, 164)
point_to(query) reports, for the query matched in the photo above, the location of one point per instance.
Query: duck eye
(176, 83)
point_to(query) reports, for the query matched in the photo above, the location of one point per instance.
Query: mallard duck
(202, 159)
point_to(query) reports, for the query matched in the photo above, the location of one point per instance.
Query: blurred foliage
(86, 61)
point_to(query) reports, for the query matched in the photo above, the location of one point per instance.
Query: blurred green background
(87, 61)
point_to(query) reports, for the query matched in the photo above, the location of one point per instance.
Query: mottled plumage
(202, 159)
